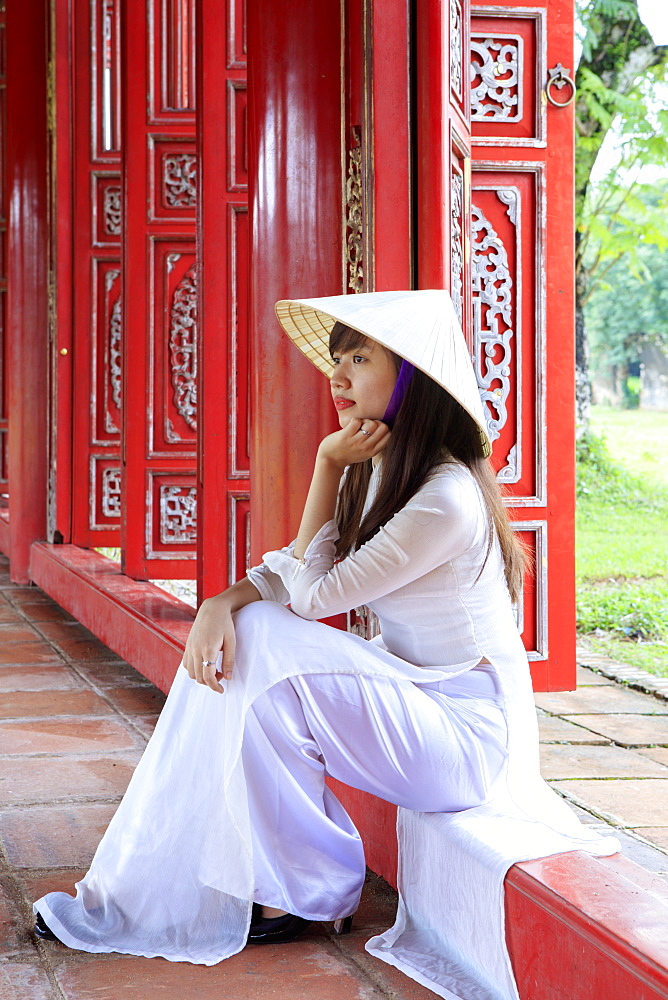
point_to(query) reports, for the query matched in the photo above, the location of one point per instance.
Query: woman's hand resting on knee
(213, 630)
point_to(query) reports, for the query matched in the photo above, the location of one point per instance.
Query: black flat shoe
(42, 930)
(275, 930)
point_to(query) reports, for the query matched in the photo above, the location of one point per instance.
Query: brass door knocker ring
(559, 78)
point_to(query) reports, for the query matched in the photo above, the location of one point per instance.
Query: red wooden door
(96, 275)
(522, 321)
(159, 281)
(223, 234)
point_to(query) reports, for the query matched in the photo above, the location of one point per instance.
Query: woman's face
(362, 382)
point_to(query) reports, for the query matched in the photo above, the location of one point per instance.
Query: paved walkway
(74, 719)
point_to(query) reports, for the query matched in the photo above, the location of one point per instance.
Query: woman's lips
(342, 404)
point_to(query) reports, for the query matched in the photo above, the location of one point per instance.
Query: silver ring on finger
(366, 433)
(208, 663)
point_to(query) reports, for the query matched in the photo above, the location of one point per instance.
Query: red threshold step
(579, 928)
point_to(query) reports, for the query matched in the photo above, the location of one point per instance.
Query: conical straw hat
(420, 326)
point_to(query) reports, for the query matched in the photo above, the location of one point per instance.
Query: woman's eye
(336, 361)
(357, 358)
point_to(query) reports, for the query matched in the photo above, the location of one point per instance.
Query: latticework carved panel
(106, 357)
(183, 347)
(354, 220)
(508, 323)
(171, 524)
(173, 387)
(179, 176)
(506, 76)
(496, 68)
(105, 494)
(456, 50)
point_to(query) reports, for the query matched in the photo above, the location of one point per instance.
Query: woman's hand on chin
(358, 441)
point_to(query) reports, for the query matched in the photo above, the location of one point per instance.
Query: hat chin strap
(396, 399)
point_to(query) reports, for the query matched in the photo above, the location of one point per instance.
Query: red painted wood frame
(522, 269)
(159, 287)
(223, 249)
(4, 380)
(27, 344)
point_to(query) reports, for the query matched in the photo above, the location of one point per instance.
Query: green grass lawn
(622, 537)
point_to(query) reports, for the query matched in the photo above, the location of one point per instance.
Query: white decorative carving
(178, 515)
(496, 93)
(115, 371)
(113, 374)
(112, 209)
(456, 243)
(354, 219)
(492, 319)
(456, 47)
(172, 259)
(183, 347)
(179, 176)
(365, 622)
(509, 472)
(509, 197)
(111, 493)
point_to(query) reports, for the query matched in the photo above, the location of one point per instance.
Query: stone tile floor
(74, 720)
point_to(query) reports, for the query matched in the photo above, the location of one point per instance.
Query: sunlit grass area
(622, 537)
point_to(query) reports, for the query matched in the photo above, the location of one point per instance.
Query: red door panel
(160, 308)
(223, 233)
(522, 268)
(96, 275)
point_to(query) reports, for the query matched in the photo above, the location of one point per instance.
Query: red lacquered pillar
(27, 278)
(294, 145)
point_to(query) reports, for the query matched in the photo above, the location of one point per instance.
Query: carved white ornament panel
(493, 329)
(111, 493)
(179, 176)
(456, 243)
(354, 221)
(183, 347)
(366, 623)
(456, 48)
(178, 515)
(115, 371)
(112, 210)
(113, 360)
(496, 71)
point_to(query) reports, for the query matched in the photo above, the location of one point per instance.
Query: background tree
(618, 68)
(627, 309)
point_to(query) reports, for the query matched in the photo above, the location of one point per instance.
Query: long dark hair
(431, 427)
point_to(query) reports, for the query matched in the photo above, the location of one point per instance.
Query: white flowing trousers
(433, 748)
(229, 801)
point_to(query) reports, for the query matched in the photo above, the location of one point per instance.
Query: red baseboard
(140, 622)
(582, 928)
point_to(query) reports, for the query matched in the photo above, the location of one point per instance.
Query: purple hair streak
(398, 393)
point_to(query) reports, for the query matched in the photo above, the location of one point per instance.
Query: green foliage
(627, 310)
(622, 543)
(607, 483)
(633, 613)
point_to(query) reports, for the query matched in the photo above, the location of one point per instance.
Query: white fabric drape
(174, 874)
